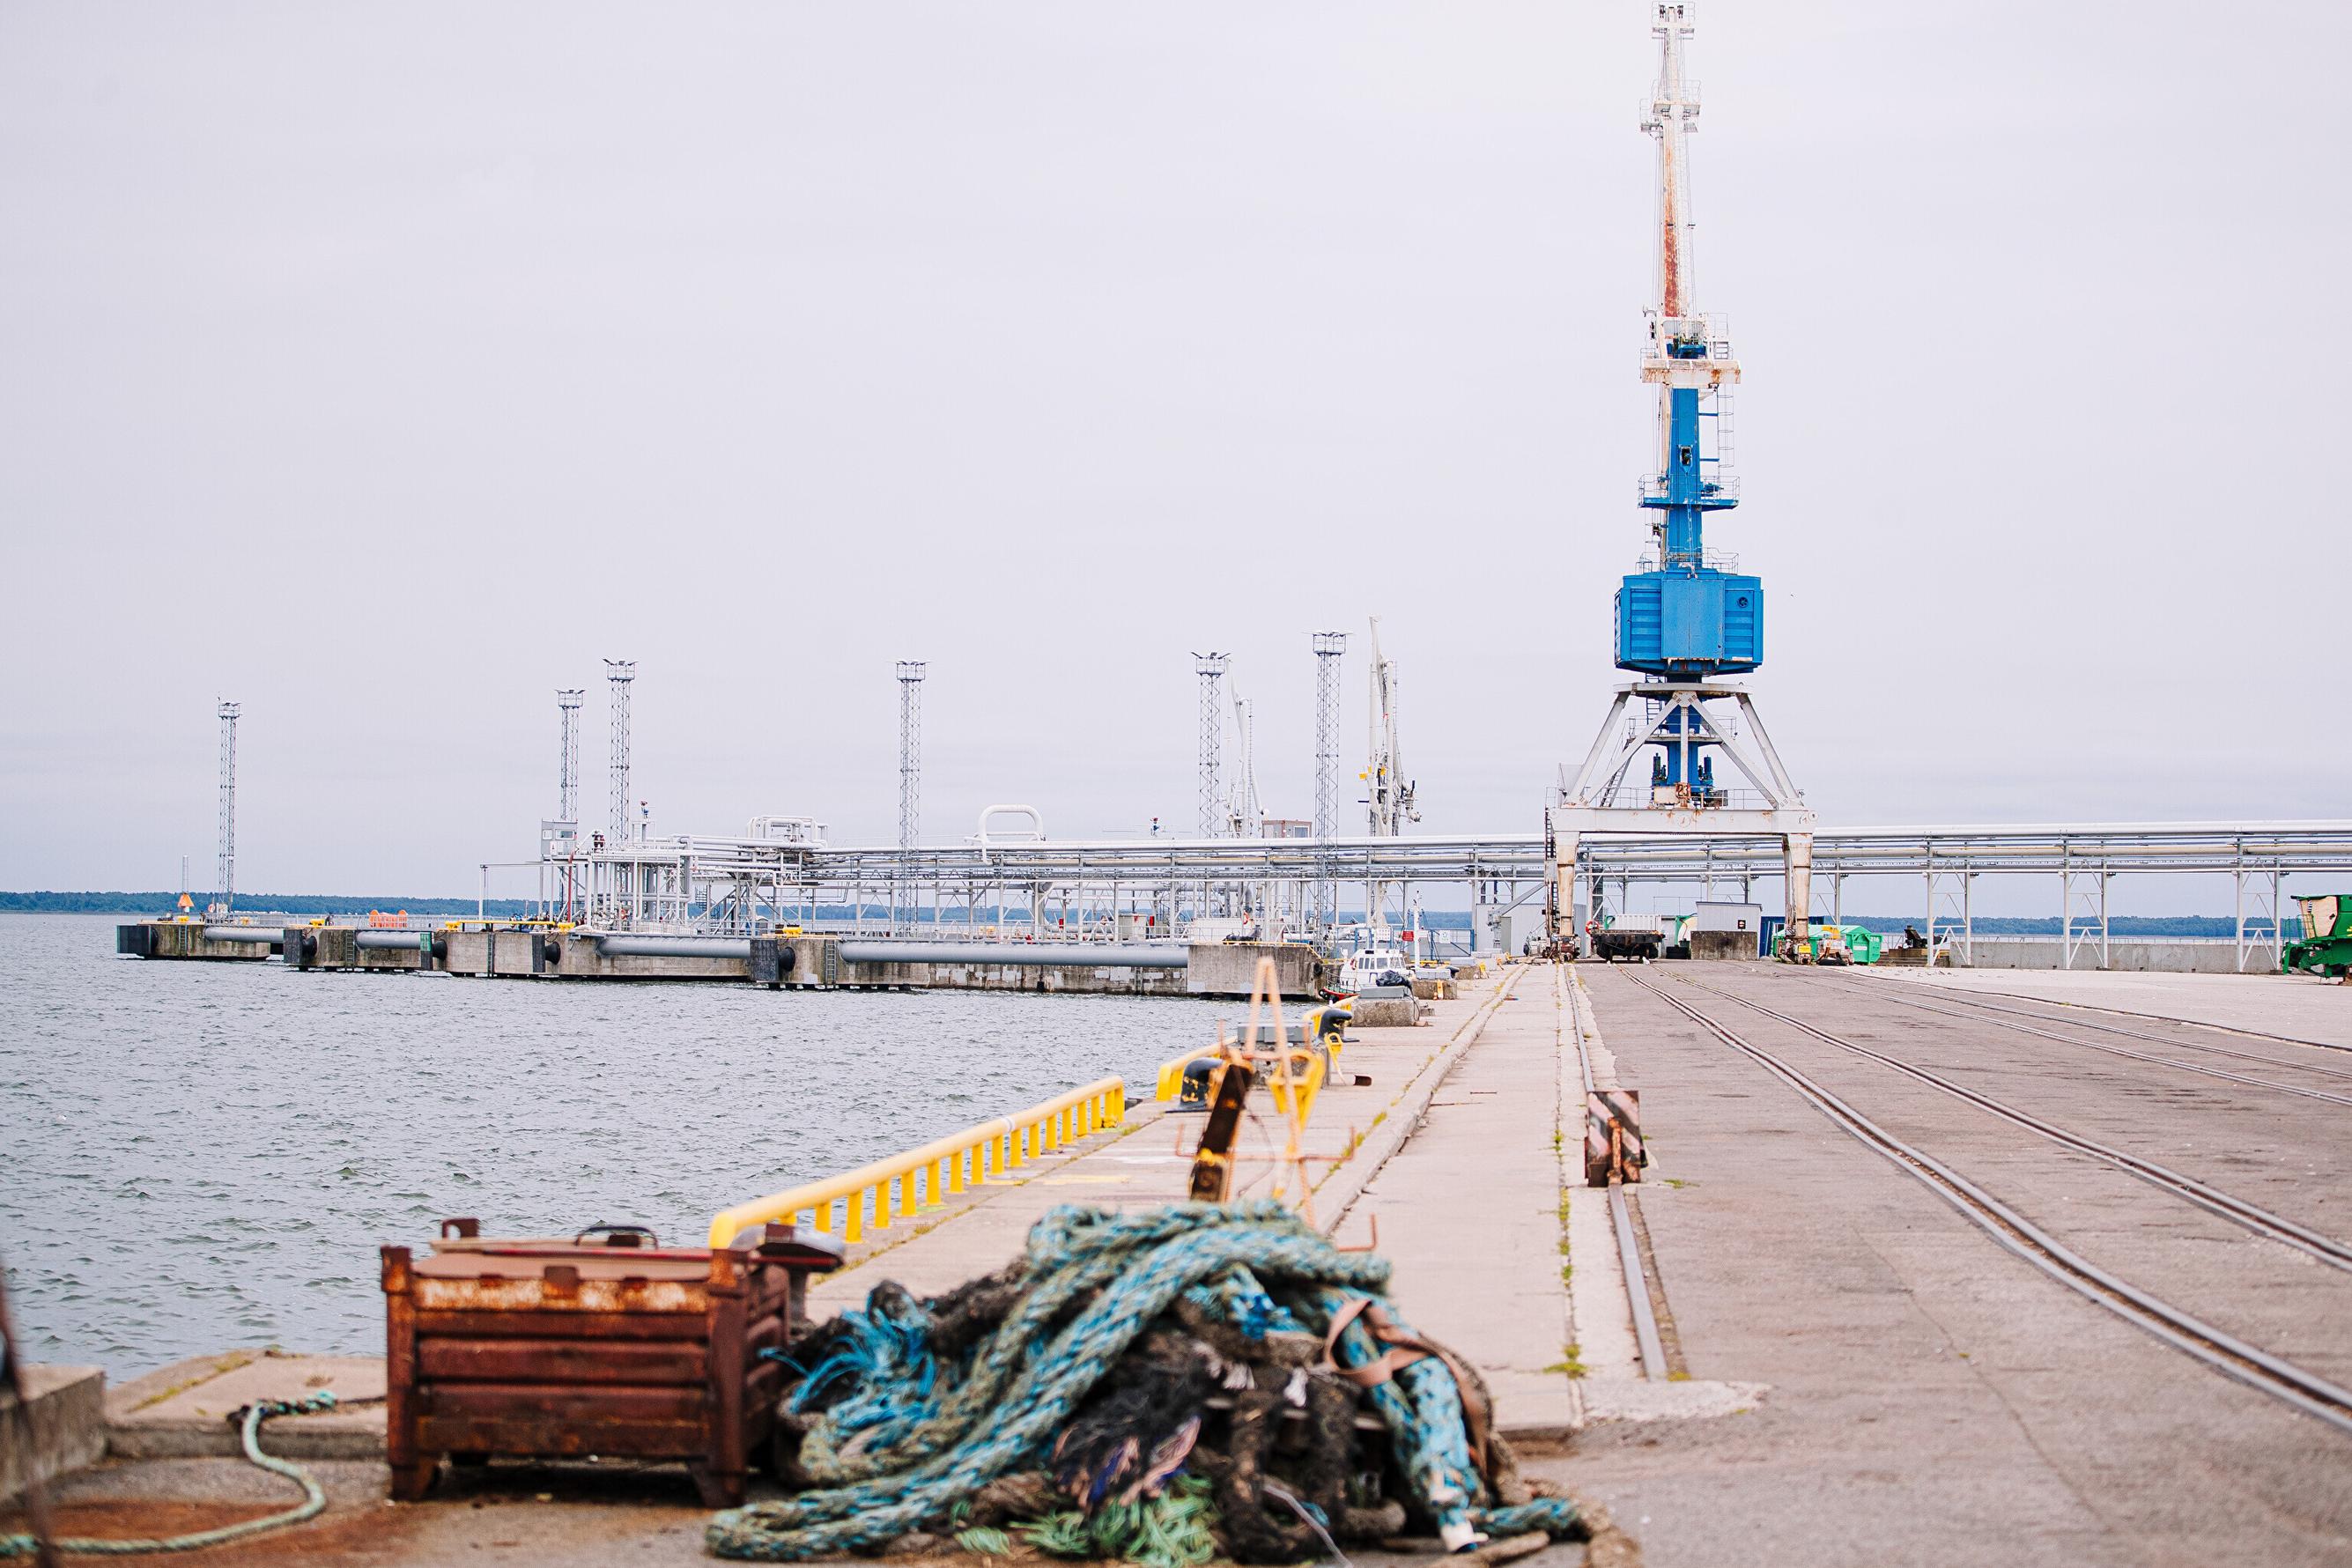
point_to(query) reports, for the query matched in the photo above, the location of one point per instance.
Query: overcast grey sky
(385, 367)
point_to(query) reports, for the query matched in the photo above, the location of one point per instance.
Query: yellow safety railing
(922, 1178)
(1171, 1072)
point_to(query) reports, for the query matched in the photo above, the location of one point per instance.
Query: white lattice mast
(568, 703)
(1247, 818)
(618, 675)
(559, 841)
(910, 753)
(1389, 795)
(228, 712)
(910, 777)
(1331, 648)
(1210, 667)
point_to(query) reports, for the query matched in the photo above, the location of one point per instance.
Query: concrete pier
(1850, 1371)
(491, 950)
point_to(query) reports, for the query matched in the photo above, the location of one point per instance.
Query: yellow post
(824, 1222)
(881, 1191)
(955, 1170)
(853, 1218)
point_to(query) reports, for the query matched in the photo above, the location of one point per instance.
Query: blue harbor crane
(1688, 615)
(1688, 620)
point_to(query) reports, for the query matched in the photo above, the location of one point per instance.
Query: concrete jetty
(780, 962)
(1850, 1369)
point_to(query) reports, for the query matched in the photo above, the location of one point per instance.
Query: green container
(2327, 944)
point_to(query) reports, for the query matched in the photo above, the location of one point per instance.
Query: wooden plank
(524, 1437)
(581, 1360)
(572, 1403)
(563, 1325)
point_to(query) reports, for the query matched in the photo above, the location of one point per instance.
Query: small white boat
(1378, 965)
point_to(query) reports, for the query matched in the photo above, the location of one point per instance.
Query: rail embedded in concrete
(924, 1177)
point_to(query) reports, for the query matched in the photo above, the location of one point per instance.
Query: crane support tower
(1688, 619)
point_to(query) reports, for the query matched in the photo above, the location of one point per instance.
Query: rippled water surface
(195, 1156)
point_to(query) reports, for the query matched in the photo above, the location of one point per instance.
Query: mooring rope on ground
(314, 1501)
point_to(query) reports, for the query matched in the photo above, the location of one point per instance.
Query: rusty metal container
(606, 1344)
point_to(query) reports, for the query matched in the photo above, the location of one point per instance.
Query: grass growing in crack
(1570, 1364)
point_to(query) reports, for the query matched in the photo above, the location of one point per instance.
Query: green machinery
(2327, 944)
(1836, 944)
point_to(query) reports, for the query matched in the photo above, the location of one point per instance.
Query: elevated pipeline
(1078, 954)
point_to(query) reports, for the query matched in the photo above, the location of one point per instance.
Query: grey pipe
(270, 934)
(620, 944)
(1080, 955)
(405, 941)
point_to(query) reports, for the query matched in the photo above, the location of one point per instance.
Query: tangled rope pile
(1153, 1385)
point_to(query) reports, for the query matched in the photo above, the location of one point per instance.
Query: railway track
(1881, 987)
(2216, 1348)
(2315, 1243)
(2150, 1018)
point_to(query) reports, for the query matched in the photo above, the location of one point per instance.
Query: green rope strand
(313, 1503)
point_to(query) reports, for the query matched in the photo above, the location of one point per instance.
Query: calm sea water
(197, 1156)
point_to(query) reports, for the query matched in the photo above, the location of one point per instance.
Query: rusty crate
(606, 1345)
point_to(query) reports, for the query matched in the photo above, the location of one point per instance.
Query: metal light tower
(618, 675)
(567, 787)
(911, 772)
(228, 712)
(559, 836)
(1688, 618)
(1210, 667)
(1329, 649)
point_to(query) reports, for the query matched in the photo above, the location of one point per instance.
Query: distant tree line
(113, 903)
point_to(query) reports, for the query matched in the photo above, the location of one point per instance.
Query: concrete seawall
(2170, 956)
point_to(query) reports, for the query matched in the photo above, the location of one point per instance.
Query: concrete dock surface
(1859, 1374)
(1933, 1399)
